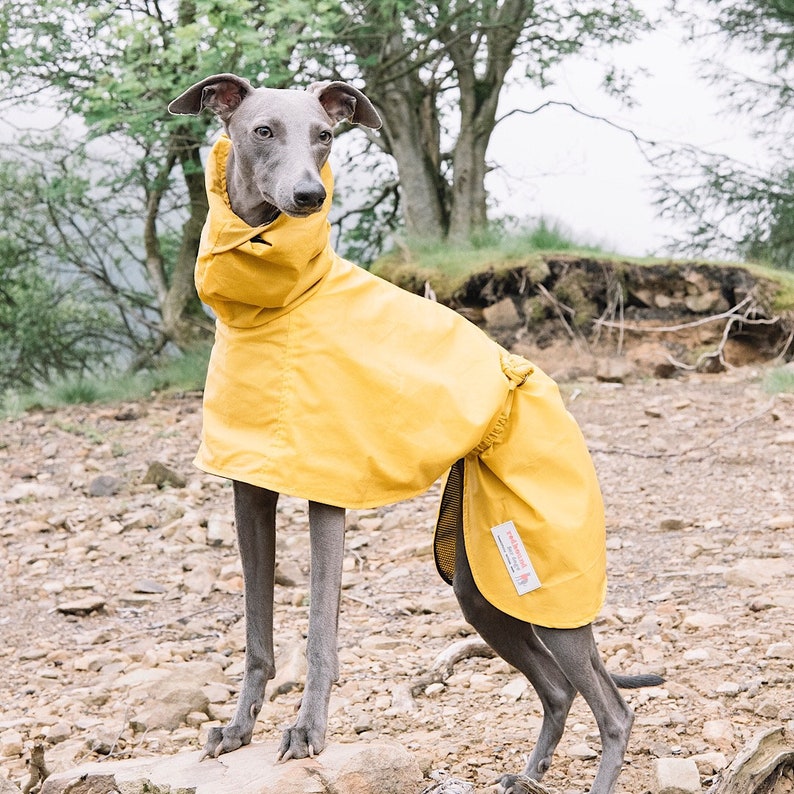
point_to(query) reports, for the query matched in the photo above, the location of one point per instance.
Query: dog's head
(281, 138)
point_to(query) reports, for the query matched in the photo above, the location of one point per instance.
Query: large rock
(377, 768)
(502, 316)
(675, 776)
(750, 572)
(614, 369)
(163, 697)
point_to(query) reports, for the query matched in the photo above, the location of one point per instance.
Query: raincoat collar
(280, 261)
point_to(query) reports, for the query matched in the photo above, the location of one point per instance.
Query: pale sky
(583, 173)
(592, 177)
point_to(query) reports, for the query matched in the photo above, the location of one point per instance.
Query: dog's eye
(325, 136)
(264, 132)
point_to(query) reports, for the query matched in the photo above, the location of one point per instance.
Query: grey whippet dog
(281, 139)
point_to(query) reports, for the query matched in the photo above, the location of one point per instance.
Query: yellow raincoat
(330, 384)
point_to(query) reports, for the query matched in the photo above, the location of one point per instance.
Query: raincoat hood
(330, 384)
(242, 291)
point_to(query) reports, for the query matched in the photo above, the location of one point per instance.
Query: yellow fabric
(538, 474)
(330, 384)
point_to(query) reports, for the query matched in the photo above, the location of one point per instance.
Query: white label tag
(515, 557)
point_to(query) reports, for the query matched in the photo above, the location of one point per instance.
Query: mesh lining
(450, 517)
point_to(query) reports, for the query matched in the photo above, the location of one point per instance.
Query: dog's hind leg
(516, 642)
(327, 533)
(255, 518)
(576, 653)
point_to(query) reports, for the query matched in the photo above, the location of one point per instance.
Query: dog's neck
(245, 200)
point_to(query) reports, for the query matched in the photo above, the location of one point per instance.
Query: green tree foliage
(114, 66)
(435, 71)
(734, 207)
(46, 330)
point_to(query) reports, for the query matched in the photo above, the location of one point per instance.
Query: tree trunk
(410, 131)
(440, 202)
(184, 321)
(479, 96)
(410, 141)
(469, 200)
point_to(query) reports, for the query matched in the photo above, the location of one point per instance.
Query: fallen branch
(695, 448)
(38, 770)
(445, 662)
(759, 766)
(560, 310)
(733, 315)
(112, 747)
(782, 354)
(668, 329)
(446, 784)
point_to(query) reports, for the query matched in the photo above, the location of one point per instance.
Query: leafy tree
(734, 207)
(434, 69)
(115, 66)
(46, 330)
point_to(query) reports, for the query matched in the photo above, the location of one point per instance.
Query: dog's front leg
(255, 517)
(327, 535)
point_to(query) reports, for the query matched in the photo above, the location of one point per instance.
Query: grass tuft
(447, 265)
(76, 392)
(780, 379)
(185, 372)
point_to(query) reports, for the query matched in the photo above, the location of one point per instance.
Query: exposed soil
(662, 317)
(698, 477)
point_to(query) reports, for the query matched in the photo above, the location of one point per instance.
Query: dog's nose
(308, 193)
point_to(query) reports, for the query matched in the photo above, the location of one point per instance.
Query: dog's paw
(223, 740)
(519, 784)
(299, 742)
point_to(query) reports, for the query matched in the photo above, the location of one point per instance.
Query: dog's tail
(636, 681)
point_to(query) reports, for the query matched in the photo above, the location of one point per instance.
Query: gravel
(121, 609)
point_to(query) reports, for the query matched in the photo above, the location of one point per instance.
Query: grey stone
(148, 586)
(82, 606)
(220, 531)
(676, 776)
(753, 572)
(781, 521)
(703, 620)
(104, 485)
(719, 733)
(171, 709)
(711, 301)
(159, 474)
(168, 696)
(7, 787)
(31, 490)
(290, 669)
(614, 369)
(515, 688)
(11, 743)
(502, 315)
(780, 650)
(581, 751)
(709, 763)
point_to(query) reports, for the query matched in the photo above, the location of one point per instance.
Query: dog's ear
(221, 93)
(342, 101)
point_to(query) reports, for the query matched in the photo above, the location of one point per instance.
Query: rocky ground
(121, 608)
